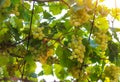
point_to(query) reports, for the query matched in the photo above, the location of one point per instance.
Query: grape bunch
(78, 48)
(79, 74)
(75, 71)
(79, 17)
(15, 10)
(38, 33)
(112, 72)
(101, 38)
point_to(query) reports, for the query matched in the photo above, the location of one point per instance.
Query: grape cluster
(78, 48)
(38, 33)
(75, 71)
(112, 72)
(101, 38)
(79, 17)
(15, 10)
(79, 74)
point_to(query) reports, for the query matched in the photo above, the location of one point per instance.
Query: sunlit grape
(79, 17)
(37, 33)
(101, 38)
(112, 72)
(78, 48)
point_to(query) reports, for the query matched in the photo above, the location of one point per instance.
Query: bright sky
(111, 3)
(108, 3)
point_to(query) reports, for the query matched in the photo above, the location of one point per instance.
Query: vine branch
(28, 41)
(92, 26)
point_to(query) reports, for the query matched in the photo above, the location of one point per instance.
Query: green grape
(112, 72)
(79, 17)
(15, 10)
(78, 48)
(79, 74)
(101, 38)
(37, 33)
(75, 71)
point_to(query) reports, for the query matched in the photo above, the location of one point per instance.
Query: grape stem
(92, 23)
(30, 25)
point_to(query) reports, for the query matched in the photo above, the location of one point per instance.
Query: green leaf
(41, 73)
(47, 69)
(38, 9)
(113, 51)
(64, 60)
(46, 15)
(15, 33)
(19, 23)
(15, 1)
(59, 51)
(33, 75)
(30, 64)
(63, 55)
(3, 60)
(55, 8)
(101, 23)
(24, 13)
(60, 72)
(114, 30)
(4, 34)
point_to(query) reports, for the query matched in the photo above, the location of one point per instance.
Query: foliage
(80, 43)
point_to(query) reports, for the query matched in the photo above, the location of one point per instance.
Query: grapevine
(81, 42)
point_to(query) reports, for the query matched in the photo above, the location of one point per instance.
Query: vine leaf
(47, 69)
(55, 6)
(60, 72)
(3, 60)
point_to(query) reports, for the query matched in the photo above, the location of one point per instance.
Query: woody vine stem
(28, 40)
